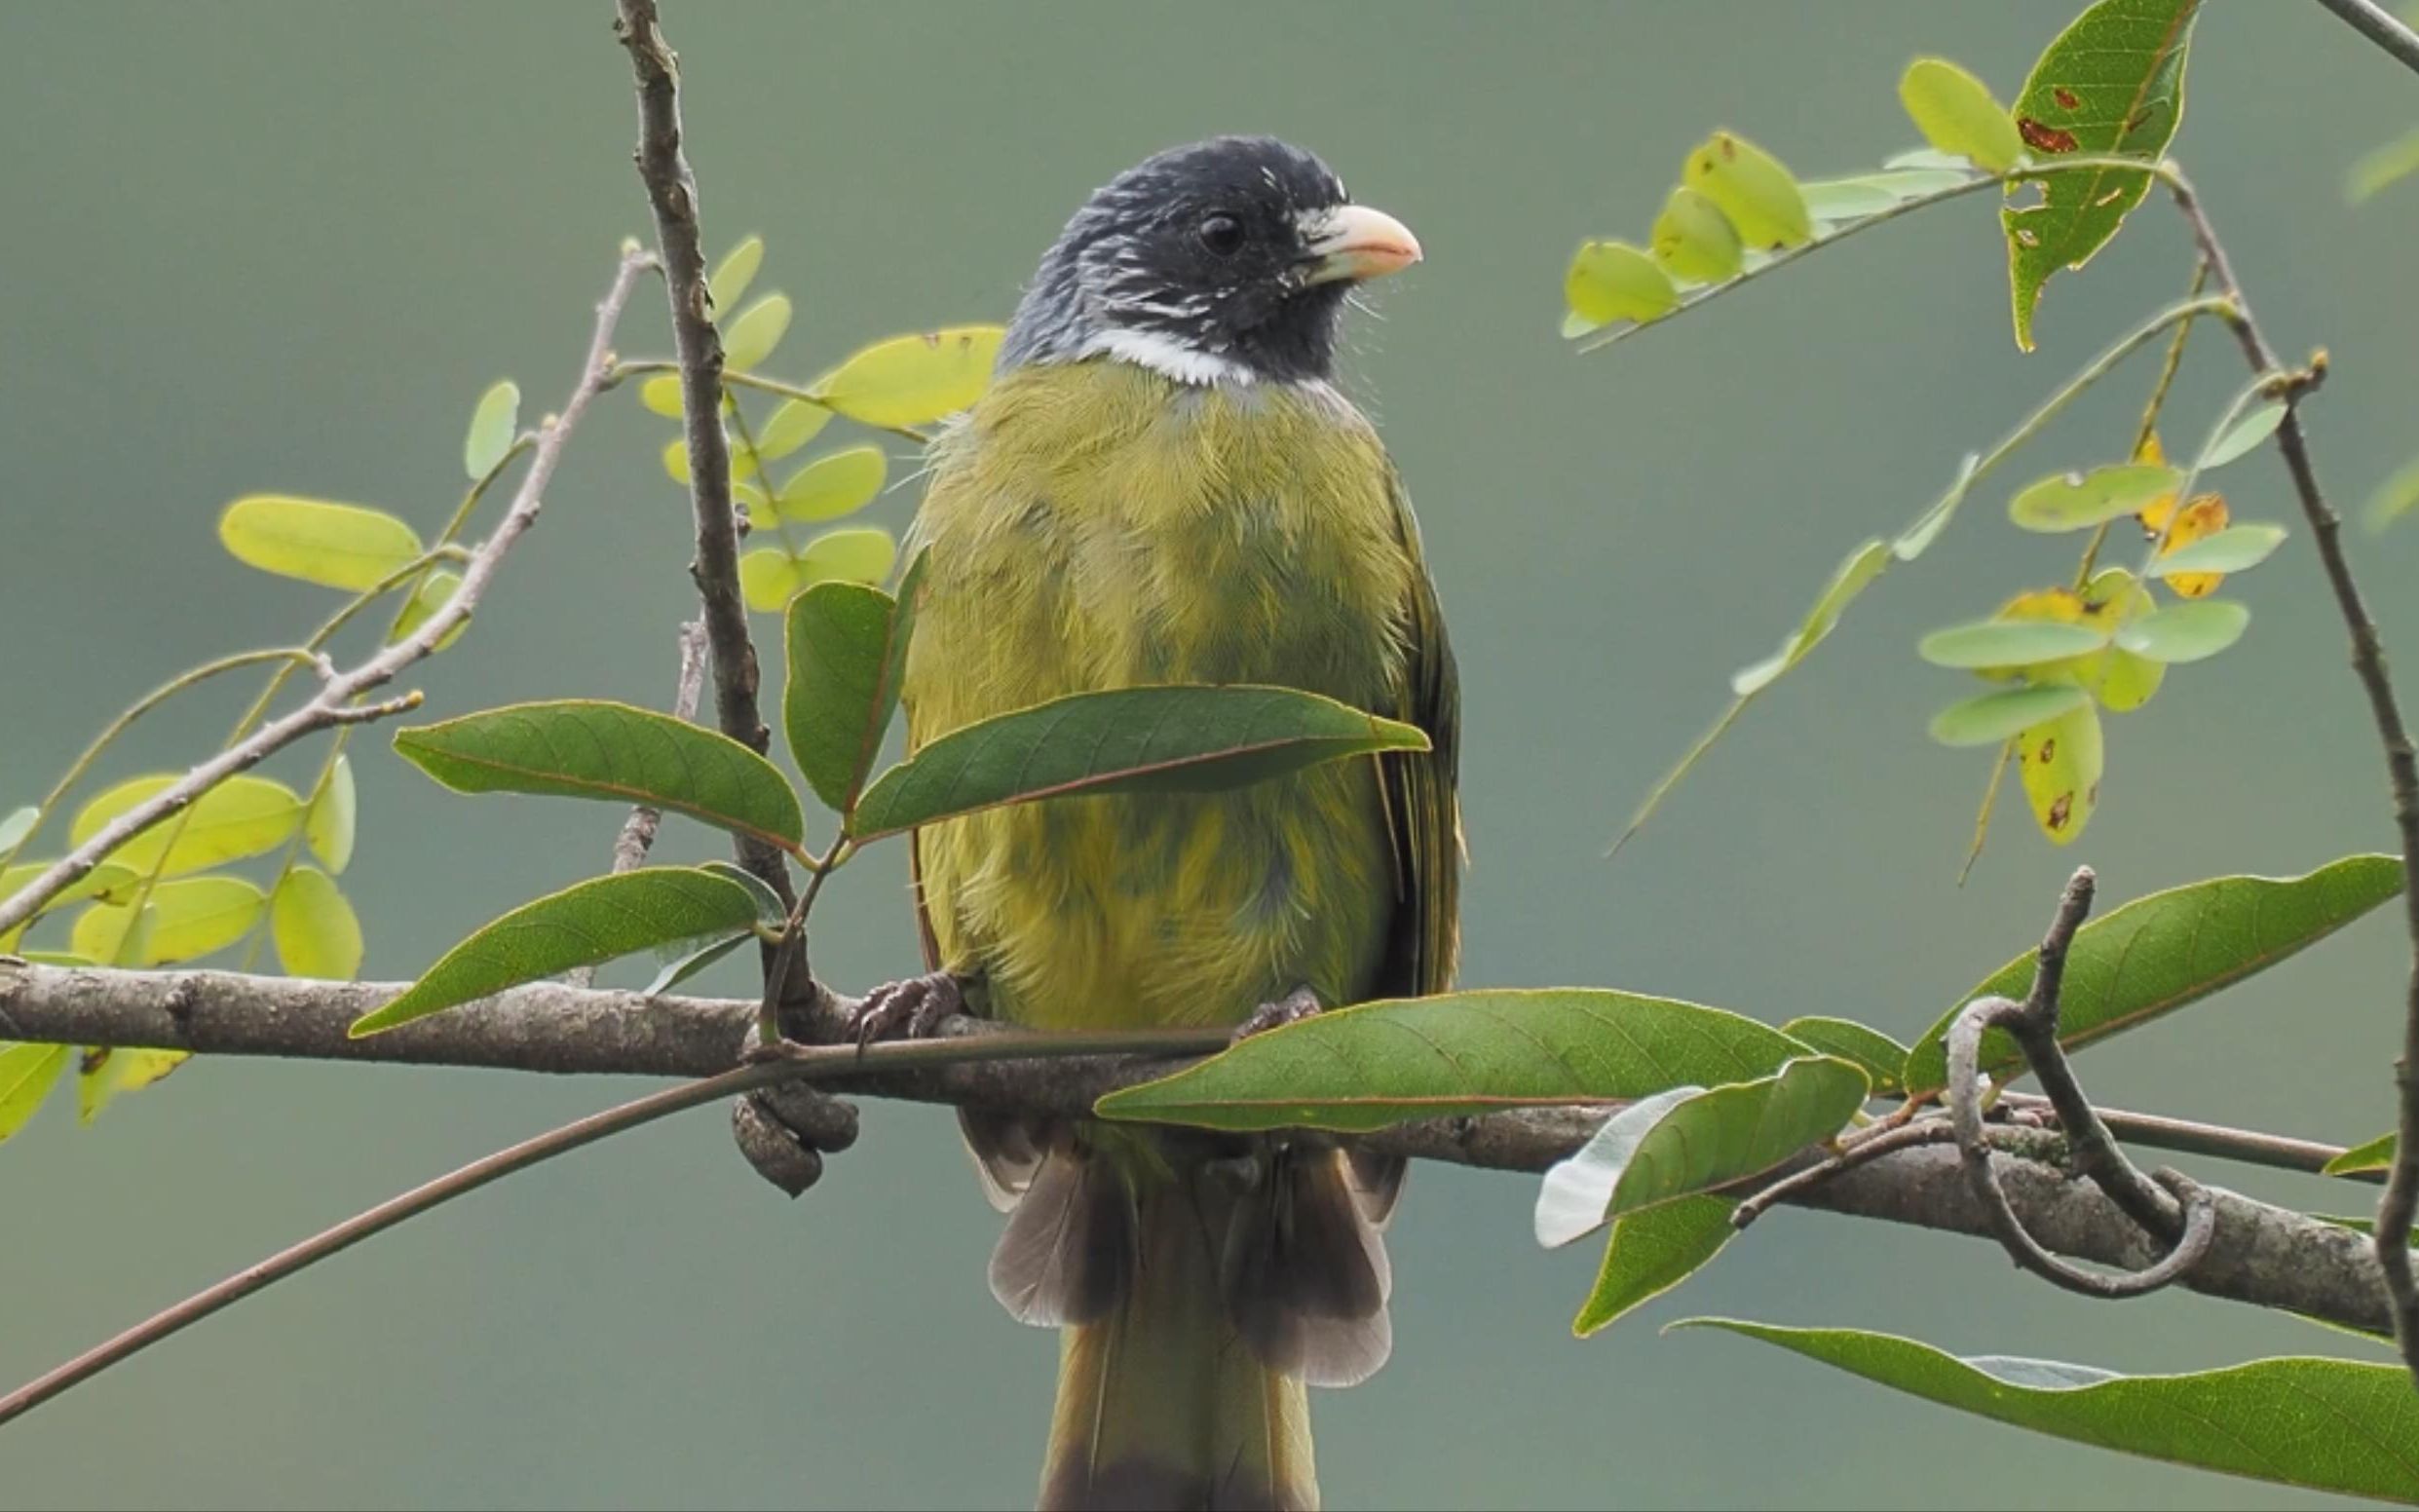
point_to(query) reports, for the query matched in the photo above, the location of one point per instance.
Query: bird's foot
(911, 1009)
(1292, 1008)
(786, 1129)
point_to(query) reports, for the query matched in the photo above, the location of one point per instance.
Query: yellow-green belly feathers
(1097, 525)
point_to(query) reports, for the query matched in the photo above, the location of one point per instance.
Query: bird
(1165, 484)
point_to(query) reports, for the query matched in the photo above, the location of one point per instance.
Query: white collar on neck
(1167, 357)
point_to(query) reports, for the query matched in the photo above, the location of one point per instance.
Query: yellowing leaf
(865, 554)
(493, 425)
(188, 918)
(316, 931)
(2204, 517)
(1753, 189)
(1693, 240)
(913, 380)
(2060, 761)
(830, 486)
(103, 1074)
(751, 338)
(1614, 281)
(728, 283)
(662, 394)
(1956, 114)
(338, 545)
(27, 1073)
(791, 426)
(243, 816)
(329, 828)
(2118, 678)
(769, 579)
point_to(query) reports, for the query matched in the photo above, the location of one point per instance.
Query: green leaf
(2078, 501)
(862, 553)
(337, 545)
(106, 880)
(2159, 953)
(16, 827)
(678, 963)
(2325, 1424)
(102, 1074)
(1956, 114)
(2375, 1156)
(1164, 740)
(662, 395)
(329, 828)
(796, 423)
(244, 816)
(1928, 158)
(185, 919)
(1993, 717)
(1466, 1052)
(1614, 281)
(728, 283)
(759, 328)
(434, 591)
(316, 931)
(1695, 1140)
(1753, 189)
(27, 1073)
(1835, 199)
(848, 651)
(583, 749)
(1882, 1057)
(2381, 167)
(2189, 631)
(676, 462)
(913, 380)
(1996, 643)
(2112, 84)
(2242, 436)
(586, 924)
(1651, 1252)
(840, 482)
(2233, 550)
(1693, 240)
(493, 425)
(1915, 539)
(2393, 498)
(769, 579)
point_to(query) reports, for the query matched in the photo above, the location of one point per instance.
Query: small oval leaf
(846, 647)
(1997, 643)
(796, 423)
(1614, 281)
(2232, 549)
(337, 545)
(662, 395)
(2060, 761)
(247, 814)
(2242, 436)
(185, 919)
(1956, 114)
(2078, 501)
(2185, 633)
(315, 928)
(863, 553)
(16, 827)
(493, 425)
(913, 380)
(1753, 189)
(728, 283)
(769, 579)
(1693, 240)
(759, 328)
(1999, 716)
(840, 482)
(328, 829)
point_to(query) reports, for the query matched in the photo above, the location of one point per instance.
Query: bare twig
(672, 192)
(2375, 22)
(2400, 1203)
(334, 703)
(637, 836)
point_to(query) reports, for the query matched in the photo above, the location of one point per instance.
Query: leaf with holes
(1466, 1052)
(2159, 953)
(583, 924)
(583, 749)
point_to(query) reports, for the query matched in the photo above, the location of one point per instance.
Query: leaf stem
(2149, 427)
(757, 381)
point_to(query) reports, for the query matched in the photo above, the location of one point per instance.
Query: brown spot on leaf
(2044, 139)
(1729, 148)
(2094, 795)
(2048, 750)
(2065, 98)
(933, 339)
(92, 1060)
(2062, 811)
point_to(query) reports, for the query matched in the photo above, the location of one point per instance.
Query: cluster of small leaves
(179, 892)
(1710, 1101)
(893, 386)
(846, 647)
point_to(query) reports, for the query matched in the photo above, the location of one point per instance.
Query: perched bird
(1164, 485)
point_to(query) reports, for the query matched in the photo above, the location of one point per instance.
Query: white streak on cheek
(1166, 356)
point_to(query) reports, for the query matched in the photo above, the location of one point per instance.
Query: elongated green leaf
(2328, 1424)
(1382, 1063)
(1693, 240)
(2393, 498)
(2242, 436)
(493, 425)
(913, 380)
(1883, 1058)
(1918, 537)
(1836, 200)
(2078, 501)
(1126, 740)
(2381, 167)
(1693, 1140)
(582, 748)
(243, 816)
(27, 1073)
(796, 423)
(15, 827)
(860, 553)
(316, 931)
(840, 482)
(2375, 1156)
(2112, 84)
(1753, 189)
(1614, 281)
(583, 924)
(1651, 1252)
(728, 283)
(840, 695)
(683, 960)
(1956, 114)
(1997, 643)
(2233, 550)
(337, 545)
(750, 338)
(328, 829)
(1993, 717)
(2159, 953)
(2189, 631)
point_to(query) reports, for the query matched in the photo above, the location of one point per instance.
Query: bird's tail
(1196, 1304)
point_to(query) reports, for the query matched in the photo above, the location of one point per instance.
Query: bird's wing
(1423, 808)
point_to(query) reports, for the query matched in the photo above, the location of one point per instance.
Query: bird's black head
(1225, 261)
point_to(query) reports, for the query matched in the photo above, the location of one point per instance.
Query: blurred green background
(285, 246)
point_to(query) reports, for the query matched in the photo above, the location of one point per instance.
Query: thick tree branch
(335, 702)
(672, 194)
(2262, 1255)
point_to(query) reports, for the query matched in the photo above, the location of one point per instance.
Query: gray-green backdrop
(285, 246)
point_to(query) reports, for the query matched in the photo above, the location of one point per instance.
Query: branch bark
(2265, 1256)
(2375, 22)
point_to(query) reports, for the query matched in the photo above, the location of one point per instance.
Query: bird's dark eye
(1221, 232)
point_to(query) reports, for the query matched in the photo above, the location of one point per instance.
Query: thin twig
(637, 836)
(2400, 1204)
(672, 194)
(334, 704)
(2378, 24)
(1850, 1155)
(2148, 428)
